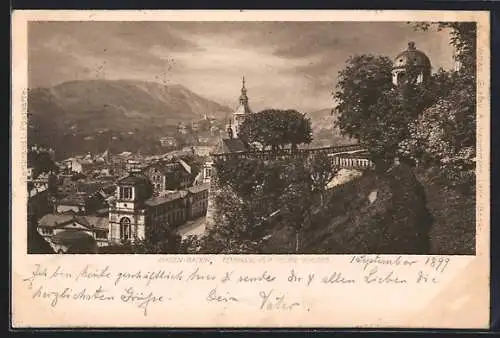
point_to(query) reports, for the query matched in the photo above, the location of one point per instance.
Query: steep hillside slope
(403, 211)
(94, 115)
(324, 130)
(118, 105)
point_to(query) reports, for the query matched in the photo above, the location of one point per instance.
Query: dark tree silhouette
(277, 128)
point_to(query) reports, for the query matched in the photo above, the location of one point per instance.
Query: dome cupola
(410, 66)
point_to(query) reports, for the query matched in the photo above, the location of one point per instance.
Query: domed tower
(411, 66)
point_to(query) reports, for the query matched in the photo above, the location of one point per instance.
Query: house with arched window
(136, 208)
(127, 215)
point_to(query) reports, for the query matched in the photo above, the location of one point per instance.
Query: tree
(322, 172)
(445, 134)
(243, 199)
(238, 225)
(276, 128)
(41, 162)
(36, 243)
(297, 200)
(361, 92)
(463, 37)
(160, 239)
(375, 112)
(248, 196)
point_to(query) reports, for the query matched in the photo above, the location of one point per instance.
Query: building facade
(136, 209)
(167, 177)
(197, 201)
(127, 215)
(169, 210)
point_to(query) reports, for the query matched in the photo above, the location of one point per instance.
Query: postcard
(244, 169)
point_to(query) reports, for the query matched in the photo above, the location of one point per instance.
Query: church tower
(411, 66)
(240, 113)
(232, 144)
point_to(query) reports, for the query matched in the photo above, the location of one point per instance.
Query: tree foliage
(322, 172)
(445, 134)
(373, 111)
(463, 37)
(432, 122)
(41, 162)
(298, 199)
(252, 196)
(160, 239)
(35, 242)
(276, 128)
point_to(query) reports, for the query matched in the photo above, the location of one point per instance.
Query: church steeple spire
(241, 112)
(243, 96)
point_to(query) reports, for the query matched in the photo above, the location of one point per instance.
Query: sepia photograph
(310, 137)
(250, 169)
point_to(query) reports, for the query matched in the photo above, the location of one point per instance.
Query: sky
(291, 65)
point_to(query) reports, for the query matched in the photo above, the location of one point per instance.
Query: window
(401, 76)
(126, 193)
(46, 231)
(125, 229)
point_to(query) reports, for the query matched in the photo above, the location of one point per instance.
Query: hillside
(121, 106)
(403, 211)
(324, 131)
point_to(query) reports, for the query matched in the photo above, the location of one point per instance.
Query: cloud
(287, 64)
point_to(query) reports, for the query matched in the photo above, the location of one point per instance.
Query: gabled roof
(53, 220)
(167, 168)
(186, 166)
(133, 179)
(74, 238)
(60, 220)
(230, 145)
(77, 199)
(95, 222)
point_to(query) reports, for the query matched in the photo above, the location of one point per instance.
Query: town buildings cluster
(107, 210)
(101, 200)
(98, 200)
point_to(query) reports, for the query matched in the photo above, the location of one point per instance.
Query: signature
(140, 299)
(271, 301)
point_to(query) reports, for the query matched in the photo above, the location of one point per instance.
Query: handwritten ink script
(262, 287)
